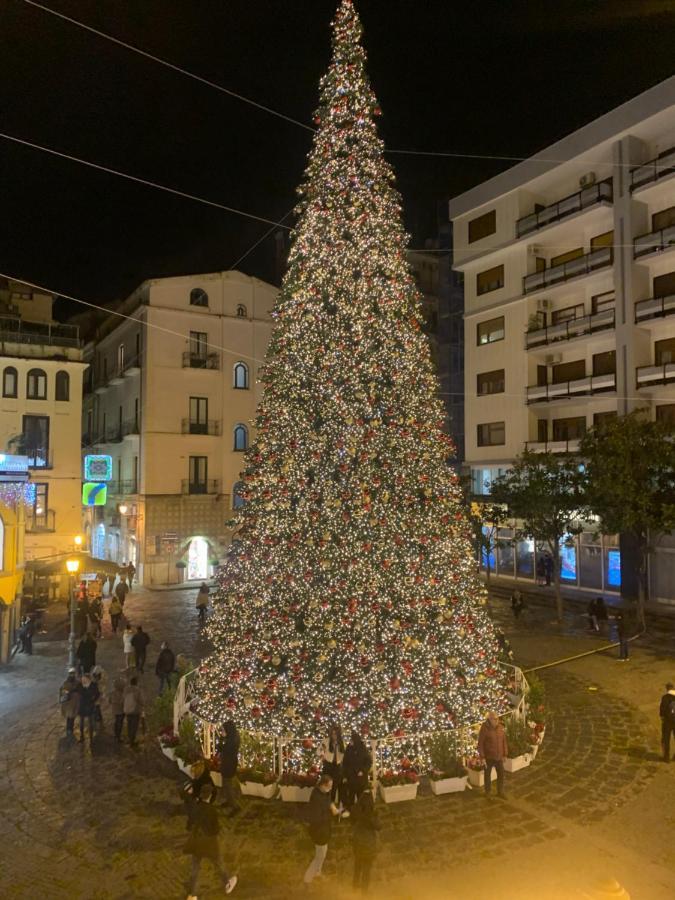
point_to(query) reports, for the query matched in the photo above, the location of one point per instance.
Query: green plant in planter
(160, 714)
(517, 737)
(181, 565)
(536, 699)
(444, 756)
(189, 748)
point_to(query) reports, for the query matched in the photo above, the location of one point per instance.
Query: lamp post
(73, 566)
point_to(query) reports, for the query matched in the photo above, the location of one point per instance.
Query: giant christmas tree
(351, 596)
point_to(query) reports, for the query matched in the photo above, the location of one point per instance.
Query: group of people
(81, 697)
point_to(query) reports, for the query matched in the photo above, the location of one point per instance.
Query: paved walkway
(108, 823)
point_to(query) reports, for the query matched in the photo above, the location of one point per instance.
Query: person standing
(131, 572)
(203, 825)
(202, 602)
(140, 643)
(548, 568)
(592, 611)
(365, 825)
(355, 768)
(228, 751)
(116, 699)
(517, 604)
(601, 613)
(121, 591)
(541, 570)
(115, 610)
(165, 666)
(320, 811)
(86, 653)
(492, 747)
(87, 708)
(667, 713)
(69, 700)
(133, 709)
(332, 752)
(127, 644)
(96, 615)
(98, 676)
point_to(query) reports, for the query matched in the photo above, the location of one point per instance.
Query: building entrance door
(198, 560)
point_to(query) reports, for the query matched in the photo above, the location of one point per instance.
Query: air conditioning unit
(587, 180)
(544, 305)
(535, 250)
(552, 358)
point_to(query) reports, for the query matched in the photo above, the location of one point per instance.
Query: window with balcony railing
(573, 268)
(568, 206)
(660, 167)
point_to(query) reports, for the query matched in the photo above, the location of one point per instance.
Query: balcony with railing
(39, 457)
(589, 384)
(573, 268)
(571, 328)
(575, 203)
(211, 486)
(650, 376)
(654, 242)
(193, 360)
(653, 170)
(117, 433)
(212, 426)
(123, 488)
(41, 522)
(655, 308)
(566, 446)
(14, 330)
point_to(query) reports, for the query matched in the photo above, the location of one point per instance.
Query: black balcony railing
(572, 328)
(654, 241)
(14, 329)
(130, 427)
(589, 384)
(566, 445)
(573, 268)
(211, 486)
(192, 360)
(39, 457)
(121, 488)
(662, 373)
(655, 308)
(210, 427)
(653, 170)
(45, 521)
(583, 199)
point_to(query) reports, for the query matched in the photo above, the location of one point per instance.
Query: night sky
(501, 78)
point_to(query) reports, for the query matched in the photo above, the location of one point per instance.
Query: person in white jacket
(332, 753)
(127, 637)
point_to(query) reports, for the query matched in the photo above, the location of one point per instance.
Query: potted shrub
(446, 773)
(258, 783)
(475, 768)
(296, 787)
(188, 751)
(398, 786)
(517, 738)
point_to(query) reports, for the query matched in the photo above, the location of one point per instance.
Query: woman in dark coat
(365, 825)
(228, 751)
(203, 824)
(355, 767)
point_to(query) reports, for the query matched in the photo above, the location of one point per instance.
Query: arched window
(62, 386)
(10, 382)
(241, 376)
(199, 297)
(36, 385)
(2, 544)
(237, 500)
(240, 437)
(241, 311)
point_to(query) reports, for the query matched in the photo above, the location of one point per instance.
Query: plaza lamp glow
(73, 567)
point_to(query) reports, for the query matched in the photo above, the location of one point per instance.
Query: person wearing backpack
(133, 709)
(203, 825)
(667, 713)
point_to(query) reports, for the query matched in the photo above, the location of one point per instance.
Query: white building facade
(569, 267)
(172, 396)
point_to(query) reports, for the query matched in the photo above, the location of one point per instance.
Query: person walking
(26, 635)
(228, 751)
(86, 653)
(621, 635)
(69, 701)
(165, 666)
(203, 825)
(127, 644)
(517, 604)
(492, 747)
(365, 825)
(541, 570)
(115, 611)
(601, 613)
(133, 707)
(116, 700)
(548, 568)
(131, 572)
(320, 811)
(87, 708)
(202, 602)
(356, 765)
(121, 591)
(140, 643)
(592, 611)
(667, 713)
(98, 676)
(332, 753)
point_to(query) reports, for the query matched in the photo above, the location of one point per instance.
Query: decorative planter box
(185, 767)
(517, 763)
(256, 789)
(292, 794)
(398, 792)
(216, 778)
(448, 785)
(168, 752)
(477, 777)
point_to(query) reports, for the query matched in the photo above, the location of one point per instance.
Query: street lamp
(73, 566)
(123, 509)
(77, 540)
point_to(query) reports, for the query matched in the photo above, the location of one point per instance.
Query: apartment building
(40, 416)
(569, 267)
(171, 396)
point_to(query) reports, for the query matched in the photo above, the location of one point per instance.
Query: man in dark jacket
(164, 668)
(121, 591)
(203, 824)
(228, 752)
(140, 643)
(356, 764)
(365, 825)
(492, 747)
(319, 819)
(89, 694)
(667, 713)
(86, 653)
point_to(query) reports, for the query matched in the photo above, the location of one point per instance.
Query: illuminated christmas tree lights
(351, 595)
